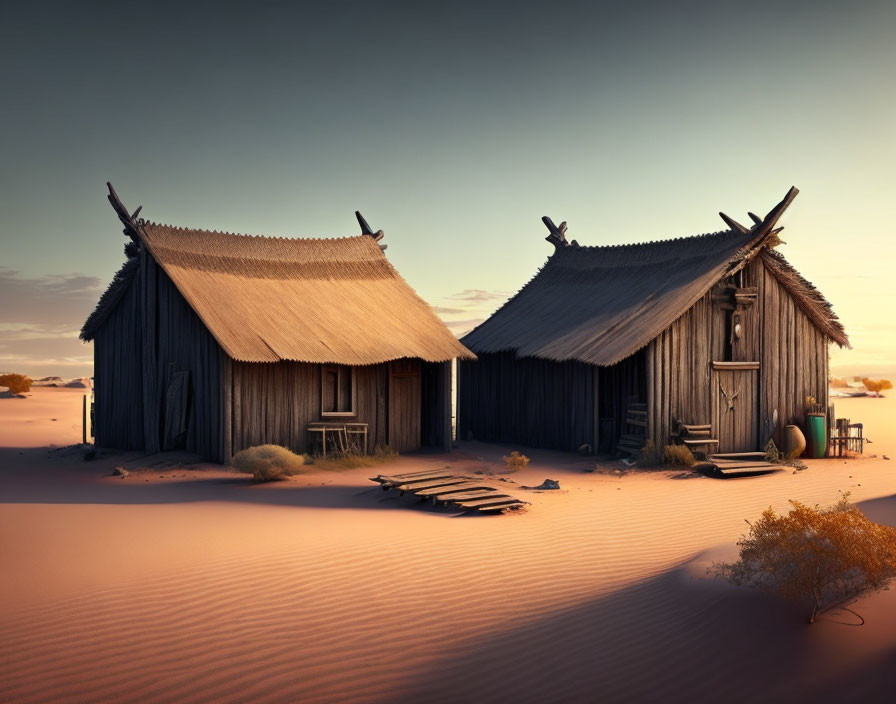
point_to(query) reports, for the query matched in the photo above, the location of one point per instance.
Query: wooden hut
(215, 342)
(606, 343)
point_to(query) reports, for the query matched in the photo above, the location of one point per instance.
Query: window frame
(339, 369)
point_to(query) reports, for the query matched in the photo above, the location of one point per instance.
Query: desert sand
(191, 584)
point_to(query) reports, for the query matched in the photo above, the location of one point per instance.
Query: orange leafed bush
(17, 383)
(838, 383)
(875, 386)
(820, 558)
(515, 460)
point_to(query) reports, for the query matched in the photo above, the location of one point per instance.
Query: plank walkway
(446, 489)
(739, 464)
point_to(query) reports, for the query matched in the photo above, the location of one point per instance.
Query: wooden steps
(443, 488)
(429, 484)
(452, 489)
(739, 455)
(739, 464)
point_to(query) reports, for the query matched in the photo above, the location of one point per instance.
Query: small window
(337, 391)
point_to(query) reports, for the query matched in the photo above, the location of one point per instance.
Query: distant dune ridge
(177, 585)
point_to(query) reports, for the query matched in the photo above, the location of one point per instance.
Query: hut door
(177, 397)
(736, 407)
(404, 405)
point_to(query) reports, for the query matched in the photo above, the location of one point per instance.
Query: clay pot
(794, 441)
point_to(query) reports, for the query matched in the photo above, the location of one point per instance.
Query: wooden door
(404, 405)
(176, 408)
(736, 405)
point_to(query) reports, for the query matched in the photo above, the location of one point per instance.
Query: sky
(453, 127)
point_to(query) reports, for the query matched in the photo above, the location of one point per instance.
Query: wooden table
(344, 436)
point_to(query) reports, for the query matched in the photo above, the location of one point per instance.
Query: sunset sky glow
(453, 129)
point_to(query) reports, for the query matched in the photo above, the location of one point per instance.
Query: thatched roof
(267, 299)
(601, 304)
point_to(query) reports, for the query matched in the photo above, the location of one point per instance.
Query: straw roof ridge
(180, 228)
(679, 239)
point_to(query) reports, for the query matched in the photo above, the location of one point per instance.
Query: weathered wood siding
(679, 370)
(118, 376)
(531, 402)
(274, 403)
(151, 328)
(185, 344)
(792, 354)
(794, 359)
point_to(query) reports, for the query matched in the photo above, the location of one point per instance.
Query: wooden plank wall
(680, 371)
(274, 403)
(118, 375)
(184, 341)
(527, 401)
(791, 351)
(794, 360)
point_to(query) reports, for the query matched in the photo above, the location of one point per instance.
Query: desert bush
(772, 453)
(678, 455)
(819, 558)
(268, 463)
(875, 386)
(16, 383)
(650, 455)
(381, 454)
(838, 383)
(515, 461)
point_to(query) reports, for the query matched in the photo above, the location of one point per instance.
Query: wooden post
(595, 402)
(84, 419)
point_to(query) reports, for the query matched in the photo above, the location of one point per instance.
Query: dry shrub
(268, 463)
(16, 383)
(515, 461)
(678, 455)
(875, 386)
(838, 383)
(381, 454)
(772, 453)
(819, 558)
(650, 455)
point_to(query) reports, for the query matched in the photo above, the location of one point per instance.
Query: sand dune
(201, 587)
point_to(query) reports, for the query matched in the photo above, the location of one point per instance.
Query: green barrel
(818, 437)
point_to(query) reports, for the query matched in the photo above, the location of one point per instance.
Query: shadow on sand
(71, 480)
(678, 637)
